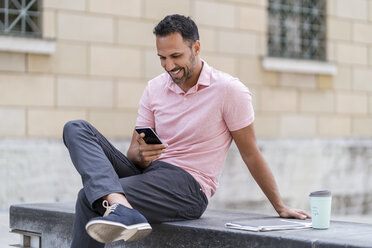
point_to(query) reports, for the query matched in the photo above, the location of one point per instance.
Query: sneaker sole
(107, 231)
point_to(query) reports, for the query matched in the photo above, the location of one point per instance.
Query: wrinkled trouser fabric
(161, 192)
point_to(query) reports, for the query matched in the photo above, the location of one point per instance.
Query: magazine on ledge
(269, 224)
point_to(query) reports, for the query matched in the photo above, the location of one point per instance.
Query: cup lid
(321, 193)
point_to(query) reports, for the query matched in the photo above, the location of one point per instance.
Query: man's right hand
(149, 152)
(142, 154)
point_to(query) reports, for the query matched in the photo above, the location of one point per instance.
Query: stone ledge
(299, 66)
(27, 45)
(54, 222)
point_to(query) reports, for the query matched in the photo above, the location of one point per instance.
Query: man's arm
(142, 154)
(246, 142)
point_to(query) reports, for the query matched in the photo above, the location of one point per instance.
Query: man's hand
(287, 212)
(148, 152)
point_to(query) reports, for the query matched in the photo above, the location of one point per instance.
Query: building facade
(92, 59)
(105, 53)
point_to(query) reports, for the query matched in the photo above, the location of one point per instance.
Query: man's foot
(118, 222)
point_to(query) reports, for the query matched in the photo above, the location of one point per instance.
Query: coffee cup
(320, 205)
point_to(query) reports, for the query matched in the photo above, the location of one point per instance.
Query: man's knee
(71, 128)
(72, 125)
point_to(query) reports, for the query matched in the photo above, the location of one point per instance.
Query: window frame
(296, 64)
(17, 18)
(297, 29)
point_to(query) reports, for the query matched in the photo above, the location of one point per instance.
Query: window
(20, 17)
(297, 29)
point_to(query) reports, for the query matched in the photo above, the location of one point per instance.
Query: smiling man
(178, 58)
(197, 111)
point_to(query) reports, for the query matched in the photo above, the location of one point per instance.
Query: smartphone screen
(150, 135)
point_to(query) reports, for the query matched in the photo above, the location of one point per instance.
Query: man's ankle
(118, 198)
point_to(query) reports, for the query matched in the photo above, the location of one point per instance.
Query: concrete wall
(301, 166)
(40, 171)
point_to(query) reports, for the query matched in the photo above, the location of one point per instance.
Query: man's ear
(196, 48)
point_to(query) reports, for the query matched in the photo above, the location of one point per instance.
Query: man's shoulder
(226, 82)
(223, 78)
(217, 75)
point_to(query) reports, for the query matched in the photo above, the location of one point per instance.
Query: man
(197, 111)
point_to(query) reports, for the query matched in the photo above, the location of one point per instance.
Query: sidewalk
(6, 238)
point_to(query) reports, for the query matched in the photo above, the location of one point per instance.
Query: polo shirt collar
(204, 80)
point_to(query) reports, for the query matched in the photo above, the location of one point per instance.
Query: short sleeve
(237, 107)
(145, 114)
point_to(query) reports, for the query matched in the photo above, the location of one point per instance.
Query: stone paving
(6, 238)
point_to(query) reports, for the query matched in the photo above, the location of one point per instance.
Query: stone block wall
(105, 54)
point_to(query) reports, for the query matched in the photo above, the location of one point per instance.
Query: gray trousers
(161, 192)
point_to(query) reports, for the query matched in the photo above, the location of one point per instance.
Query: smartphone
(150, 135)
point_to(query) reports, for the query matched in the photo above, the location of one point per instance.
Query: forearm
(246, 142)
(133, 155)
(264, 178)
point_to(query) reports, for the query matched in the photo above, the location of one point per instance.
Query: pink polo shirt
(196, 125)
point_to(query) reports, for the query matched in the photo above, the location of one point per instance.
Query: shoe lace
(109, 208)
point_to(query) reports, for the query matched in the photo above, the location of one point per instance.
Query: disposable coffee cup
(320, 205)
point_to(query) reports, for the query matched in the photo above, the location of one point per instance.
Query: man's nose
(169, 65)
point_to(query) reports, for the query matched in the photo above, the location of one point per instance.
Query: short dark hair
(178, 23)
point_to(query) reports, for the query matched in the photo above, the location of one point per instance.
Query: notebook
(269, 224)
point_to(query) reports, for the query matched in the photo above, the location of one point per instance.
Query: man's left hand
(288, 212)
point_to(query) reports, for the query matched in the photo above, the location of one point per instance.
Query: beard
(187, 72)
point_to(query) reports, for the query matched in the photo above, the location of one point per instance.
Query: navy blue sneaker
(118, 222)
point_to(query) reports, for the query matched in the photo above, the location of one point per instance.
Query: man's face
(177, 57)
